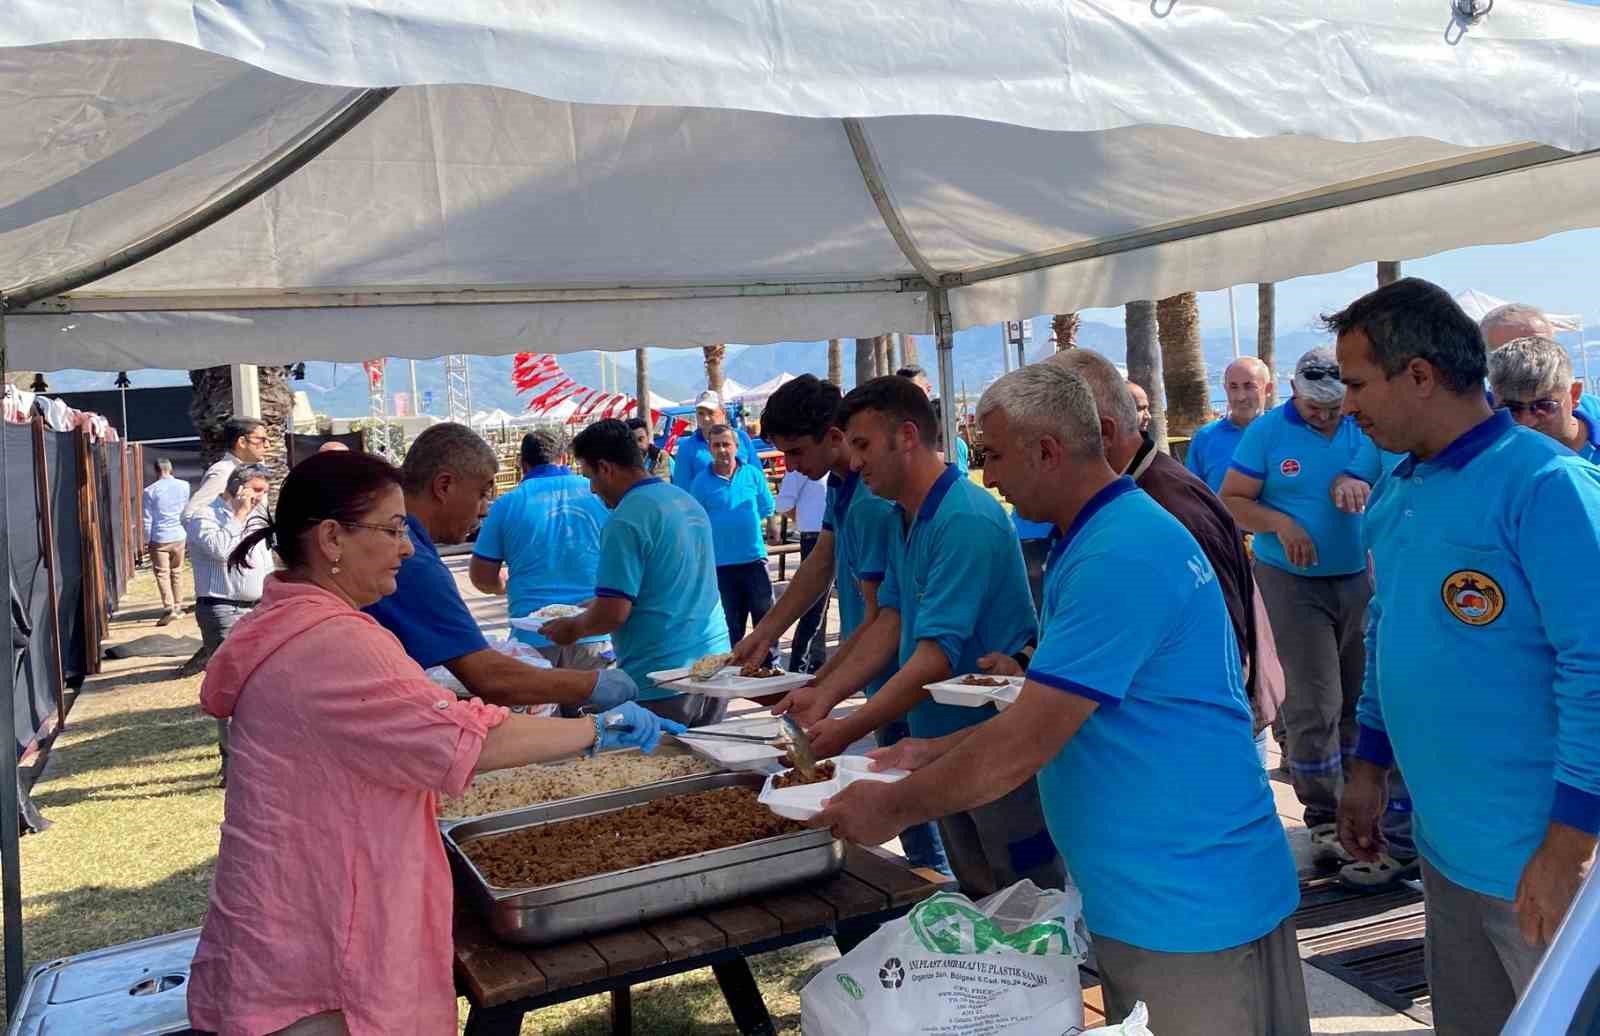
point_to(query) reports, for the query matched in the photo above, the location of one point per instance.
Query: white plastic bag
(506, 646)
(952, 967)
(1136, 1024)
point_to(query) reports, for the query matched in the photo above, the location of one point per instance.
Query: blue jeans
(746, 592)
(808, 650)
(921, 842)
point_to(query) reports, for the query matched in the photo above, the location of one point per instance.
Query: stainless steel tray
(593, 904)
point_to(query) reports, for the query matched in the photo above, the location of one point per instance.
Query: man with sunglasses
(448, 478)
(1532, 378)
(1299, 479)
(244, 442)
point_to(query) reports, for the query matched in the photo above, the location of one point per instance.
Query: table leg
(744, 997)
(494, 1021)
(849, 934)
(622, 1011)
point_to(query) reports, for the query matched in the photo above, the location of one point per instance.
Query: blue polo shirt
(1483, 668)
(426, 610)
(547, 532)
(1028, 530)
(963, 457)
(656, 551)
(1211, 451)
(1591, 428)
(1158, 803)
(957, 578)
(737, 506)
(1296, 465)
(865, 528)
(1589, 405)
(692, 455)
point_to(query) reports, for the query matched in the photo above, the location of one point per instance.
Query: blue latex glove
(629, 726)
(612, 689)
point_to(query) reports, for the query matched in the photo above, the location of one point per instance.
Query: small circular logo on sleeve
(1473, 597)
(1289, 468)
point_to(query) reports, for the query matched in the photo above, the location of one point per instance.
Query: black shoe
(166, 619)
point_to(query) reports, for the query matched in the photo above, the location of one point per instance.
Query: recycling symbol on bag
(892, 974)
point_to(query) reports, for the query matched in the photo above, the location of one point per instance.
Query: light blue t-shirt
(656, 552)
(1483, 667)
(957, 578)
(737, 507)
(1591, 428)
(1296, 465)
(864, 529)
(1211, 451)
(1029, 530)
(692, 455)
(1158, 803)
(963, 457)
(1589, 405)
(547, 532)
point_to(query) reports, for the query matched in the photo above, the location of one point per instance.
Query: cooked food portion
(710, 665)
(530, 785)
(662, 829)
(794, 778)
(761, 672)
(984, 681)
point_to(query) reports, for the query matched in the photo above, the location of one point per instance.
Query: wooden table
(503, 982)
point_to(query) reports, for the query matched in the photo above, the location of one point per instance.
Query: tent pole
(945, 337)
(10, 820)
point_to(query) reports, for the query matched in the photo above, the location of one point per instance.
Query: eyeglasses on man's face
(1537, 407)
(1319, 374)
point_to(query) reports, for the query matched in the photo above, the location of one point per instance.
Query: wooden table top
(492, 972)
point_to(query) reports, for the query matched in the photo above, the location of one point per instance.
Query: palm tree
(212, 405)
(890, 364)
(714, 355)
(908, 350)
(1065, 326)
(1388, 271)
(641, 383)
(1144, 363)
(1183, 363)
(866, 361)
(836, 362)
(1266, 334)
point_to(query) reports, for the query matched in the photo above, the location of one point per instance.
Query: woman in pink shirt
(330, 907)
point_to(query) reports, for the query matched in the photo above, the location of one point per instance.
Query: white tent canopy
(630, 174)
(1477, 304)
(759, 393)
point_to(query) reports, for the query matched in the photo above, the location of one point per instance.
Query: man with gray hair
(162, 514)
(448, 478)
(1185, 907)
(1513, 320)
(1248, 381)
(1299, 479)
(1532, 378)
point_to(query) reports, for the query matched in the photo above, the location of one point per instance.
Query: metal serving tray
(585, 906)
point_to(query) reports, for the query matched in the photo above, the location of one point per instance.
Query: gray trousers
(1318, 622)
(1000, 843)
(1256, 989)
(216, 619)
(587, 657)
(692, 710)
(1478, 962)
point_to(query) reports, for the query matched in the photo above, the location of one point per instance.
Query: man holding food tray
(851, 552)
(656, 583)
(1138, 731)
(449, 476)
(955, 589)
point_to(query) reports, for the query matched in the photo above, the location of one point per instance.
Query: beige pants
(167, 561)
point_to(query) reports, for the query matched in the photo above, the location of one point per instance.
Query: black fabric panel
(107, 517)
(153, 413)
(299, 447)
(61, 455)
(185, 457)
(117, 528)
(34, 702)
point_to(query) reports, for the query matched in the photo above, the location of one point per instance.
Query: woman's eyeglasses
(1540, 407)
(398, 531)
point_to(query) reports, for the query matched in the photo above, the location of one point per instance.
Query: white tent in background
(759, 393)
(1477, 304)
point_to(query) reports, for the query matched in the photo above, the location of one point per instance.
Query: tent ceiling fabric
(672, 184)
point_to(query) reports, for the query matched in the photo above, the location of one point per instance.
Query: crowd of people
(1380, 566)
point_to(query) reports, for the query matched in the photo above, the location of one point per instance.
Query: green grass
(131, 793)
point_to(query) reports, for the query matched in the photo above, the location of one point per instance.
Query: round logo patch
(1290, 468)
(1473, 597)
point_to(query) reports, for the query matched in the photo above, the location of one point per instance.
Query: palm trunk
(212, 405)
(1183, 363)
(1065, 326)
(866, 361)
(641, 383)
(886, 343)
(908, 350)
(714, 355)
(1266, 335)
(836, 361)
(1144, 364)
(1388, 271)
(277, 410)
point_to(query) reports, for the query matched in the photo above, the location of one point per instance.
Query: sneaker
(1379, 874)
(1325, 848)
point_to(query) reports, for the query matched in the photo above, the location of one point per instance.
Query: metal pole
(1024, 327)
(416, 400)
(1583, 345)
(466, 367)
(1233, 322)
(10, 808)
(945, 338)
(246, 390)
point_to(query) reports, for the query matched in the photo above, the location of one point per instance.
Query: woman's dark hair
(339, 485)
(802, 406)
(608, 440)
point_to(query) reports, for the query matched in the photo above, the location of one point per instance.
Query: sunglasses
(1540, 407)
(1318, 374)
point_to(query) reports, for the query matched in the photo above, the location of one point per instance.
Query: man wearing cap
(1287, 483)
(693, 454)
(1482, 676)
(1532, 378)
(1247, 381)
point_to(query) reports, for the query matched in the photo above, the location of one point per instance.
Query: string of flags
(541, 375)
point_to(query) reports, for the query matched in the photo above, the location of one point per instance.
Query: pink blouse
(332, 891)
